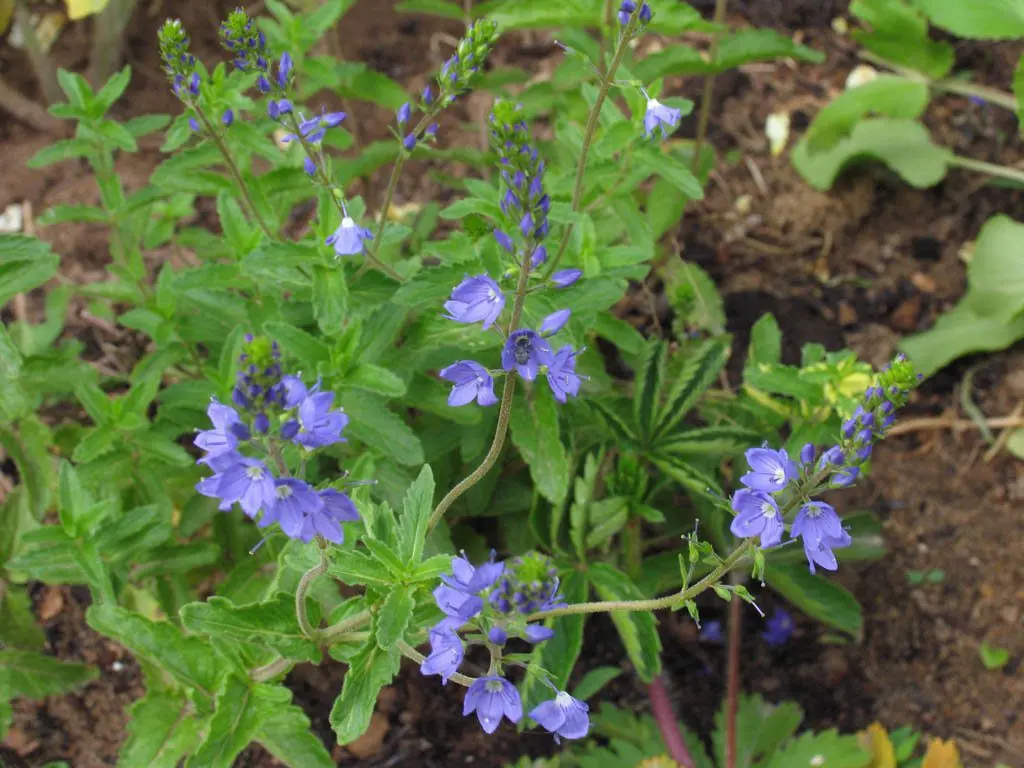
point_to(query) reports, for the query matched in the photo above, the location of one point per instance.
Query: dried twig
(1000, 442)
(944, 422)
(22, 108)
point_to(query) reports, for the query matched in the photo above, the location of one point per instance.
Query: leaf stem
(271, 670)
(305, 583)
(709, 88)
(335, 632)
(992, 169)
(656, 604)
(409, 652)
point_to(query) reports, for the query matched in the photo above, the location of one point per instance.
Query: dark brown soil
(861, 266)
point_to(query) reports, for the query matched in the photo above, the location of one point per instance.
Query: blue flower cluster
(480, 299)
(457, 73)
(628, 7)
(249, 47)
(275, 410)
(776, 482)
(489, 604)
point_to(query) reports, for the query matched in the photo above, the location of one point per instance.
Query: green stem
(709, 89)
(271, 670)
(218, 140)
(504, 409)
(669, 601)
(991, 169)
(591, 129)
(333, 633)
(409, 652)
(305, 583)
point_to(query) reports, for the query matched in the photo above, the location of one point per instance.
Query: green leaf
(993, 657)
(903, 145)
(395, 614)
(867, 542)
(18, 627)
(160, 733)
(760, 729)
(694, 296)
(535, 432)
(330, 299)
(700, 368)
(272, 623)
(637, 629)
(647, 388)
(60, 214)
(899, 34)
(620, 333)
(1018, 92)
(558, 655)
(594, 681)
(826, 748)
(370, 670)
(241, 707)
(711, 442)
(307, 348)
(25, 263)
(765, 342)
(352, 567)
(372, 423)
(286, 735)
(531, 14)
(746, 45)
(687, 475)
(376, 379)
(59, 151)
(416, 510)
(30, 675)
(672, 169)
(76, 88)
(816, 596)
(187, 659)
(978, 19)
(370, 85)
(73, 500)
(442, 8)
(886, 95)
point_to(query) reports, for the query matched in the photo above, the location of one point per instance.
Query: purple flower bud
(845, 477)
(263, 84)
(240, 431)
(193, 124)
(428, 95)
(228, 117)
(864, 437)
(409, 142)
(284, 69)
(888, 421)
(504, 241)
(249, 338)
(497, 636)
(403, 113)
(540, 255)
(566, 277)
(867, 420)
(807, 453)
(554, 322)
(431, 130)
(864, 453)
(289, 429)
(849, 427)
(887, 408)
(526, 225)
(261, 423)
(309, 166)
(193, 84)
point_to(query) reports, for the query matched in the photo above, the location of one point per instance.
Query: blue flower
(554, 322)
(409, 142)
(815, 522)
(404, 112)
(247, 481)
(492, 698)
(525, 352)
(227, 430)
(472, 382)
(294, 501)
(561, 374)
(319, 426)
(660, 117)
(566, 277)
(277, 108)
(326, 521)
(770, 470)
(757, 513)
(778, 628)
(822, 554)
(284, 69)
(537, 633)
(458, 594)
(711, 632)
(504, 241)
(565, 716)
(348, 238)
(446, 653)
(474, 300)
(457, 604)
(627, 8)
(540, 255)
(228, 117)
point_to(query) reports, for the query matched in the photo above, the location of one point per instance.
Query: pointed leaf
(416, 509)
(241, 707)
(816, 596)
(535, 432)
(394, 616)
(286, 735)
(647, 389)
(160, 732)
(700, 368)
(370, 670)
(31, 675)
(637, 629)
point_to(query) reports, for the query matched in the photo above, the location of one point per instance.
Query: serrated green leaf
(535, 432)
(286, 735)
(374, 378)
(240, 708)
(687, 475)
(637, 629)
(25, 263)
(59, 151)
(271, 622)
(816, 596)
(760, 729)
(31, 675)
(394, 616)
(373, 424)
(710, 442)
(18, 628)
(700, 368)
(308, 349)
(353, 567)
(647, 389)
(330, 299)
(825, 748)
(416, 509)
(370, 670)
(614, 419)
(160, 732)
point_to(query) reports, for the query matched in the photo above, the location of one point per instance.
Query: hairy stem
(709, 89)
(504, 409)
(591, 129)
(732, 693)
(668, 723)
(218, 140)
(271, 670)
(409, 652)
(656, 604)
(305, 583)
(330, 635)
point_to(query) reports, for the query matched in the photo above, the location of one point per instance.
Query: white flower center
(653, 104)
(348, 222)
(813, 511)
(779, 474)
(563, 699)
(254, 473)
(283, 491)
(767, 510)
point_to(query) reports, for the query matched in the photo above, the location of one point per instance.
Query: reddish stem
(668, 724)
(732, 695)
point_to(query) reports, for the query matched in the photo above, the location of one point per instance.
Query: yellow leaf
(941, 754)
(79, 9)
(876, 741)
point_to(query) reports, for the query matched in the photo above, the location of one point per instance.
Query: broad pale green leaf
(531, 14)
(959, 332)
(817, 596)
(637, 629)
(271, 623)
(370, 670)
(535, 432)
(903, 145)
(765, 342)
(416, 509)
(31, 675)
(330, 299)
(374, 378)
(558, 655)
(160, 732)
(995, 274)
(977, 19)
(746, 45)
(672, 169)
(241, 707)
(826, 748)
(594, 681)
(187, 659)
(294, 341)
(286, 735)
(25, 263)
(886, 95)
(701, 366)
(394, 616)
(624, 336)
(899, 33)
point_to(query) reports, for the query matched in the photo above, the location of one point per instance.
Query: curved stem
(588, 133)
(305, 583)
(271, 670)
(409, 652)
(709, 89)
(218, 140)
(504, 410)
(656, 604)
(335, 632)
